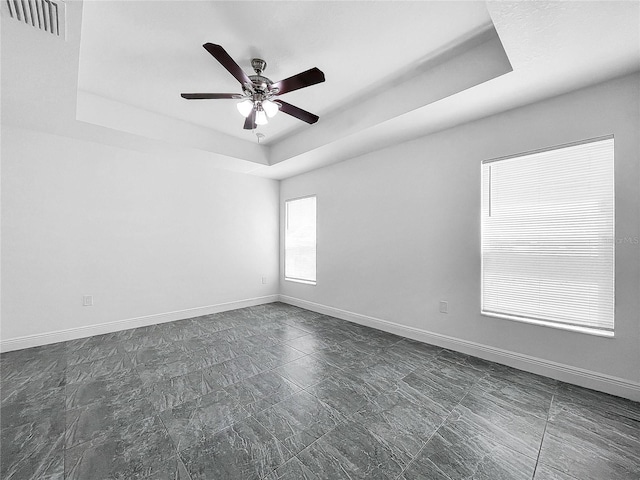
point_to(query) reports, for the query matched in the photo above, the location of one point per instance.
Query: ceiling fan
(258, 99)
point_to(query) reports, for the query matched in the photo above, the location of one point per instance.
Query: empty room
(320, 240)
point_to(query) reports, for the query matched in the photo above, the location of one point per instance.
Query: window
(548, 237)
(300, 240)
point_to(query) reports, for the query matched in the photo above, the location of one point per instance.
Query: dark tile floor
(276, 392)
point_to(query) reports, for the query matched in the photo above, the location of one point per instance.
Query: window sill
(544, 323)
(300, 280)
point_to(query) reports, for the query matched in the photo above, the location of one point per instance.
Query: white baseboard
(39, 339)
(566, 373)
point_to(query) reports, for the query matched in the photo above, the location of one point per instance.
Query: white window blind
(548, 237)
(300, 240)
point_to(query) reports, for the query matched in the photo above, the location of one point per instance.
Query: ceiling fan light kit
(261, 116)
(258, 100)
(245, 107)
(270, 107)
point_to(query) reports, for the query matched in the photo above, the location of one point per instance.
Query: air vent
(45, 15)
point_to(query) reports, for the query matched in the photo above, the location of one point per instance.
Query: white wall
(149, 227)
(144, 235)
(399, 230)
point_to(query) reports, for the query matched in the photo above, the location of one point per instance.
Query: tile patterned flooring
(276, 392)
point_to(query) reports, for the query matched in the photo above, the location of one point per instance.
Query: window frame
(541, 322)
(286, 220)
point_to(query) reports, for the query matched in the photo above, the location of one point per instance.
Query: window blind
(548, 237)
(300, 240)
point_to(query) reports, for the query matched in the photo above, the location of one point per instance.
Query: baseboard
(47, 338)
(566, 373)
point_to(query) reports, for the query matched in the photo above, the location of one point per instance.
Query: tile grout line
(64, 430)
(377, 354)
(175, 446)
(135, 371)
(430, 437)
(278, 441)
(249, 414)
(347, 417)
(436, 430)
(65, 391)
(544, 431)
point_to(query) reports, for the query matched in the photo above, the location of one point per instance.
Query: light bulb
(270, 108)
(245, 107)
(261, 117)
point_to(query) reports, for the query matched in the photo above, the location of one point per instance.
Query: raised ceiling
(145, 54)
(395, 70)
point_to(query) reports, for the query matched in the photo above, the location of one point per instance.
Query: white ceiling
(395, 71)
(145, 53)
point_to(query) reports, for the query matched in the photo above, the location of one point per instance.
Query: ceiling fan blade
(297, 112)
(227, 62)
(301, 80)
(205, 96)
(250, 121)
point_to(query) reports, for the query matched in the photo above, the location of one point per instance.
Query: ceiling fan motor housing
(258, 65)
(260, 83)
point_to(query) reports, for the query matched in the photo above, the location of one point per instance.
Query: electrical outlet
(444, 307)
(264, 280)
(87, 300)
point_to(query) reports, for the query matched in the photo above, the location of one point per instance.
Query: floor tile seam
(433, 434)
(267, 370)
(600, 411)
(437, 467)
(530, 390)
(254, 414)
(401, 431)
(544, 431)
(499, 441)
(169, 378)
(296, 455)
(504, 405)
(27, 376)
(77, 364)
(82, 365)
(175, 447)
(101, 400)
(311, 386)
(65, 419)
(135, 367)
(526, 418)
(225, 389)
(210, 433)
(344, 420)
(283, 364)
(417, 455)
(345, 370)
(110, 403)
(612, 448)
(64, 446)
(17, 391)
(286, 344)
(291, 455)
(95, 378)
(101, 437)
(348, 417)
(569, 475)
(277, 440)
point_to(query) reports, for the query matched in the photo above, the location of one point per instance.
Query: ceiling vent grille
(45, 15)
